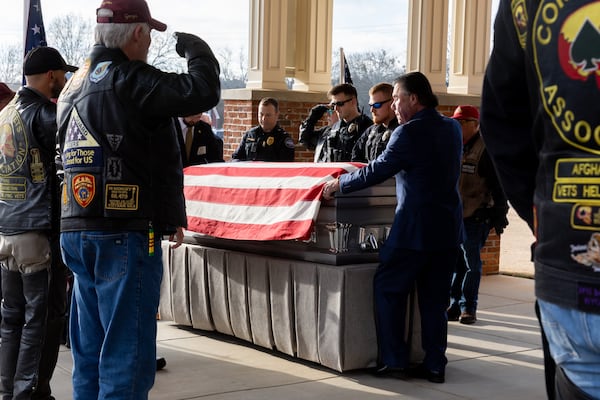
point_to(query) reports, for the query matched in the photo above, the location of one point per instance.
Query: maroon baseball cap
(466, 112)
(128, 12)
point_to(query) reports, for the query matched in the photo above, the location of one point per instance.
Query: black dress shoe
(160, 363)
(421, 372)
(467, 318)
(384, 371)
(453, 313)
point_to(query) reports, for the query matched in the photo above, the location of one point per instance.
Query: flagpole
(342, 57)
(26, 6)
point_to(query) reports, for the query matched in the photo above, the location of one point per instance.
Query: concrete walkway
(499, 357)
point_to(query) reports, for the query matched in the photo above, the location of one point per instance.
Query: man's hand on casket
(330, 188)
(177, 238)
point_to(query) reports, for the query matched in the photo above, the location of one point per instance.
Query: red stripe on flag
(279, 231)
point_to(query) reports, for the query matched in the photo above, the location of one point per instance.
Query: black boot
(35, 291)
(13, 318)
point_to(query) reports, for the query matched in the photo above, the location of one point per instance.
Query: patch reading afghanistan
(577, 180)
(566, 37)
(84, 189)
(121, 197)
(81, 149)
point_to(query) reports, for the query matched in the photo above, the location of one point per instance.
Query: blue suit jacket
(424, 154)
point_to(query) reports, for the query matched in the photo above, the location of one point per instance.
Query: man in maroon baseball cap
(123, 180)
(466, 113)
(127, 12)
(484, 208)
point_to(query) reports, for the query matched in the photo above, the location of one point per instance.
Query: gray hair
(114, 36)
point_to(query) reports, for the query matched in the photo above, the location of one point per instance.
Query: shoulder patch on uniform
(100, 71)
(289, 143)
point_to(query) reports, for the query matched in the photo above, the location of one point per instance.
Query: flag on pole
(345, 69)
(35, 35)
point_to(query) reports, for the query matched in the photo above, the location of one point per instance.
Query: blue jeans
(467, 274)
(113, 313)
(574, 341)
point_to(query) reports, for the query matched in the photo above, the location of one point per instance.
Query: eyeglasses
(378, 105)
(339, 103)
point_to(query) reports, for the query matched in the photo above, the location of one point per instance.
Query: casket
(347, 230)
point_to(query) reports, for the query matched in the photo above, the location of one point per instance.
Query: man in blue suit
(424, 154)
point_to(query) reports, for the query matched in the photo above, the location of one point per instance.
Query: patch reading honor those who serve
(121, 197)
(84, 189)
(81, 149)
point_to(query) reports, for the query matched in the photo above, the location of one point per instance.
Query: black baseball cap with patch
(43, 59)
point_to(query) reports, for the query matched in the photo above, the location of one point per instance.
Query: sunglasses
(464, 121)
(339, 103)
(378, 105)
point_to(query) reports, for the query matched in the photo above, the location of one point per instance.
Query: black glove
(317, 112)
(498, 218)
(189, 46)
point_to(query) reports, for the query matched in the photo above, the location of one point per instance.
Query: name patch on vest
(121, 197)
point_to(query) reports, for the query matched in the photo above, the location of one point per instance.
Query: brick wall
(240, 114)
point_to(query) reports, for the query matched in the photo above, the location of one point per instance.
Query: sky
(358, 25)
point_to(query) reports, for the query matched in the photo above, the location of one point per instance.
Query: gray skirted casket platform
(309, 298)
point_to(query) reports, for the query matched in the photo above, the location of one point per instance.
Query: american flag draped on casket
(257, 200)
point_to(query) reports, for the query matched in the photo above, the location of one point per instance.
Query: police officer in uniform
(336, 144)
(267, 141)
(374, 140)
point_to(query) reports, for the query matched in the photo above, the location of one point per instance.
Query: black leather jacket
(118, 143)
(540, 123)
(28, 184)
